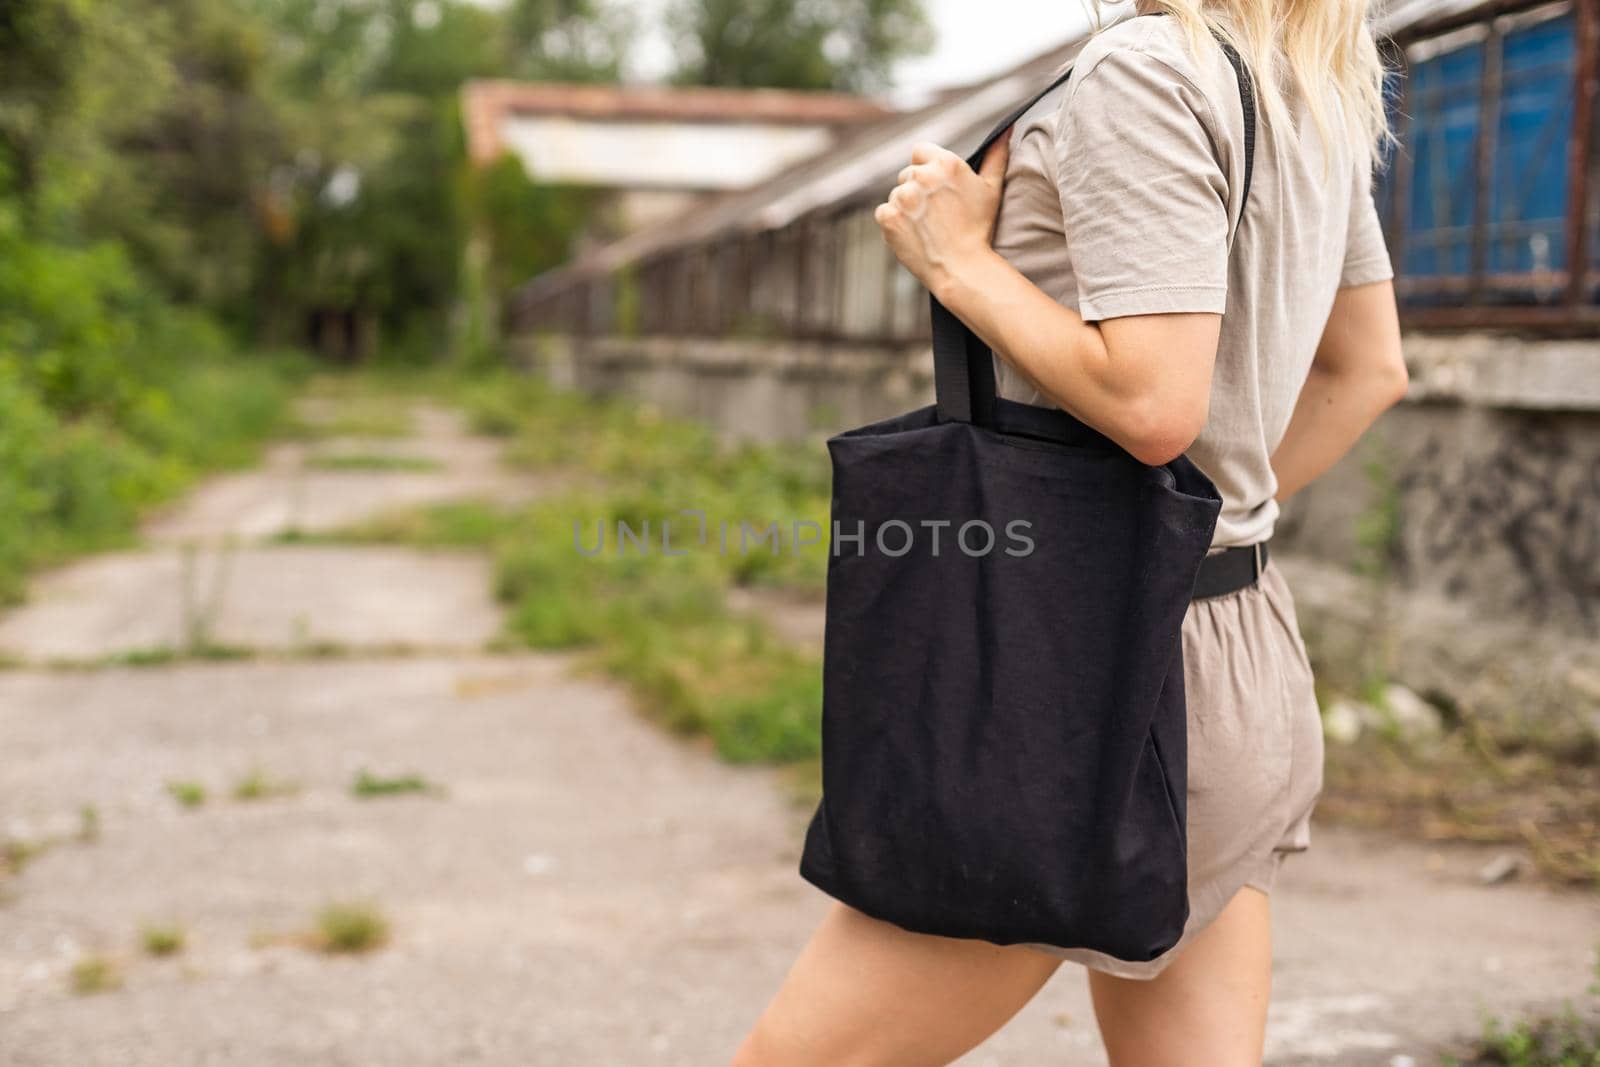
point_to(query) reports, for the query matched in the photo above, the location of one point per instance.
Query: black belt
(1230, 570)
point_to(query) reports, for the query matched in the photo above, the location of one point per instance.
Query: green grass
(1567, 1040)
(165, 656)
(163, 940)
(465, 524)
(660, 624)
(75, 484)
(1570, 1039)
(368, 785)
(94, 974)
(188, 794)
(257, 785)
(350, 929)
(354, 408)
(377, 462)
(16, 853)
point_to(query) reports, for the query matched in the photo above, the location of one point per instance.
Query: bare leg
(865, 993)
(1209, 1006)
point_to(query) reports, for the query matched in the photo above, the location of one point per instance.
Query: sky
(981, 37)
(974, 38)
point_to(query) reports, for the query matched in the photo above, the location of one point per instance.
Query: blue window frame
(1524, 212)
(1446, 91)
(1528, 199)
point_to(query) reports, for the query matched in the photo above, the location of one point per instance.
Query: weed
(368, 785)
(163, 656)
(163, 940)
(16, 853)
(659, 622)
(1570, 1039)
(351, 928)
(95, 974)
(467, 524)
(188, 794)
(353, 409)
(377, 462)
(256, 785)
(77, 478)
(200, 612)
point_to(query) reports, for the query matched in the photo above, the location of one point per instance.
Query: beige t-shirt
(1123, 191)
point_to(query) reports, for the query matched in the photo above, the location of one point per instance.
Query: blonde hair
(1305, 45)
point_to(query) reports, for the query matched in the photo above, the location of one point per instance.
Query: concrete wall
(754, 390)
(1484, 486)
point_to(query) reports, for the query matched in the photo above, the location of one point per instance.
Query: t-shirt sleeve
(1143, 194)
(1366, 255)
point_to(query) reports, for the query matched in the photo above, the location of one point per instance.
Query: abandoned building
(660, 151)
(778, 312)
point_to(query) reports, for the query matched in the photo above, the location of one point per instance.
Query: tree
(848, 45)
(566, 40)
(278, 164)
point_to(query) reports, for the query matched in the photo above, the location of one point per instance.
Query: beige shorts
(1255, 753)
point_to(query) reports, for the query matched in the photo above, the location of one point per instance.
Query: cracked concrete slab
(290, 492)
(582, 889)
(275, 598)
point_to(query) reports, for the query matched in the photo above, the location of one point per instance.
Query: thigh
(865, 993)
(1209, 1006)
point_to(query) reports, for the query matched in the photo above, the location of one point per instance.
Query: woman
(1101, 252)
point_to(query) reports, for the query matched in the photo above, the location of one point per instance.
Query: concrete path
(579, 888)
(215, 574)
(275, 598)
(440, 461)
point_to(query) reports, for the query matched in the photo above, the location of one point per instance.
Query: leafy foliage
(810, 44)
(110, 400)
(1571, 1039)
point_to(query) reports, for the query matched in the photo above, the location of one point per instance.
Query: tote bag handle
(963, 365)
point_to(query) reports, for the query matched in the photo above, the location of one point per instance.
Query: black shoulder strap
(963, 365)
(1247, 100)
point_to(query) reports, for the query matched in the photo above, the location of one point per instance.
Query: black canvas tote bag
(1004, 731)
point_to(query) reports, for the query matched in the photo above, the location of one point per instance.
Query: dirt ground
(575, 887)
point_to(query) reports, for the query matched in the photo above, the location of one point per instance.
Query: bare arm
(1142, 380)
(1358, 374)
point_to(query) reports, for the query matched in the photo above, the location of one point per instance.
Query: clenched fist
(942, 210)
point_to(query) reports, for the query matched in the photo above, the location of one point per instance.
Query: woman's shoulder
(1142, 77)
(1144, 99)
(1149, 46)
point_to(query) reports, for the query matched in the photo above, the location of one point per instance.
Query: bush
(110, 401)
